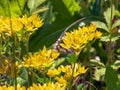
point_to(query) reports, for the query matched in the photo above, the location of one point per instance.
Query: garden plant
(59, 44)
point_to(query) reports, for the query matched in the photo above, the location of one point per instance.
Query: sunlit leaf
(109, 15)
(16, 7)
(116, 64)
(115, 24)
(94, 62)
(57, 62)
(34, 6)
(100, 25)
(106, 37)
(99, 74)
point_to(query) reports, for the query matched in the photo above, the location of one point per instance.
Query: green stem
(110, 42)
(88, 48)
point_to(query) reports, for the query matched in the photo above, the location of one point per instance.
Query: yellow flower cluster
(12, 87)
(13, 25)
(77, 39)
(68, 71)
(47, 86)
(31, 23)
(43, 58)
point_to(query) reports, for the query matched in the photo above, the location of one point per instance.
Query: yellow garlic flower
(53, 72)
(10, 26)
(47, 86)
(43, 58)
(12, 87)
(77, 39)
(68, 70)
(13, 25)
(31, 23)
(61, 80)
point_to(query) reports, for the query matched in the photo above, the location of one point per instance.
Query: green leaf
(116, 65)
(100, 25)
(115, 24)
(71, 5)
(43, 80)
(99, 74)
(34, 6)
(111, 79)
(21, 81)
(57, 62)
(80, 87)
(23, 78)
(24, 73)
(71, 58)
(94, 62)
(108, 17)
(15, 8)
(106, 37)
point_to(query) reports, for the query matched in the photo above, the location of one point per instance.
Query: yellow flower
(12, 87)
(98, 34)
(77, 39)
(61, 80)
(47, 86)
(53, 72)
(32, 23)
(42, 58)
(10, 25)
(14, 25)
(68, 70)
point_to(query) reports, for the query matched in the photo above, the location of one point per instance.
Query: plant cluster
(41, 50)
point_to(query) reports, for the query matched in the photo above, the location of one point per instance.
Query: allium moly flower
(53, 72)
(43, 58)
(48, 86)
(13, 25)
(68, 70)
(77, 39)
(61, 80)
(10, 25)
(12, 87)
(32, 23)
